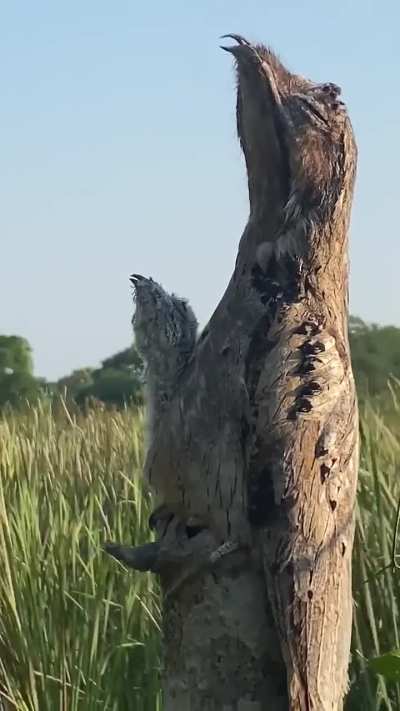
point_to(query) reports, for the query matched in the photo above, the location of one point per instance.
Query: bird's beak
(135, 278)
(262, 123)
(241, 43)
(248, 57)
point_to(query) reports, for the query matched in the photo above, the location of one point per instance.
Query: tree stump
(254, 462)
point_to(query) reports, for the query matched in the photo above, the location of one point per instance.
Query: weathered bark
(259, 444)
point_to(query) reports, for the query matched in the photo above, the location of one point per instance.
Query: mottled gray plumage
(258, 448)
(165, 333)
(301, 160)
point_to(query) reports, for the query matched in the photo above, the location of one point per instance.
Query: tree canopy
(375, 352)
(17, 382)
(117, 382)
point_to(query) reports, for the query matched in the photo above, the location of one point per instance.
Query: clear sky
(119, 154)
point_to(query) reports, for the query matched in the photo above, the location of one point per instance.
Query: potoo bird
(301, 155)
(255, 426)
(165, 330)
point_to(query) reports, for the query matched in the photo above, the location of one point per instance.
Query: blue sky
(120, 154)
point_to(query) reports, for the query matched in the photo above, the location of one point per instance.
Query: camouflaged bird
(259, 441)
(301, 159)
(165, 330)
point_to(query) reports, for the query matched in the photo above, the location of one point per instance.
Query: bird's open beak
(241, 42)
(248, 58)
(135, 278)
(262, 123)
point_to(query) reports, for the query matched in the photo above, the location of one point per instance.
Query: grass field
(79, 632)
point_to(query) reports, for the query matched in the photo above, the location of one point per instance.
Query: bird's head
(161, 321)
(295, 134)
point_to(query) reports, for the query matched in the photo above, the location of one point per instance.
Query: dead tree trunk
(254, 461)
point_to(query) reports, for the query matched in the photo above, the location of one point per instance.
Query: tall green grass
(376, 578)
(77, 631)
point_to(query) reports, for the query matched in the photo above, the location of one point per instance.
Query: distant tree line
(17, 381)
(375, 354)
(119, 380)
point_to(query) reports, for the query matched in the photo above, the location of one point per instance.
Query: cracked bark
(259, 444)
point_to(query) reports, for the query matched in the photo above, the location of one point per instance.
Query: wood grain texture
(260, 443)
